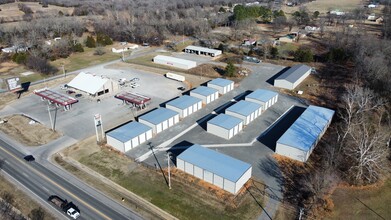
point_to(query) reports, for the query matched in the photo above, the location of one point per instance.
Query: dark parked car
(29, 158)
(78, 95)
(181, 88)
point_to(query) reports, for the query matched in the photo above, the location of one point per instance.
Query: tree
(103, 39)
(303, 55)
(315, 15)
(37, 214)
(301, 16)
(99, 51)
(7, 202)
(274, 52)
(222, 10)
(230, 70)
(90, 42)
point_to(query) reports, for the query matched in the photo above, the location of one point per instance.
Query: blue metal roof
(128, 131)
(225, 121)
(220, 164)
(262, 95)
(184, 102)
(294, 73)
(244, 108)
(221, 82)
(304, 132)
(159, 115)
(204, 91)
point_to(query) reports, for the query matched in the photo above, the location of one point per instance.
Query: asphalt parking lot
(78, 123)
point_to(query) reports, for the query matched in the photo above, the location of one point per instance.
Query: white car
(73, 213)
(135, 85)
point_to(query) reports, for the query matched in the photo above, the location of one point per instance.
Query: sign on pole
(98, 122)
(14, 84)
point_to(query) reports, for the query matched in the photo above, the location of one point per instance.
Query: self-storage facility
(206, 94)
(264, 97)
(218, 169)
(303, 135)
(160, 119)
(203, 51)
(185, 105)
(292, 77)
(224, 126)
(128, 136)
(174, 62)
(245, 110)
(222, 85)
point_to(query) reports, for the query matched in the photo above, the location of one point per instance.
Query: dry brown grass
(23, 202)
(19, 129)
(10, 12)
(324, 6)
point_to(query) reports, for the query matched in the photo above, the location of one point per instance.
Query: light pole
(169, 173)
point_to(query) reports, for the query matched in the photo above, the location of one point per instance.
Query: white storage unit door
(170, 122)
(159, 128)
(142, 138)
(198, 172)
(134, 142)
(149, 134)
(236, 130)
(199, 105)
(176, 119)
(218, 180)
(230, 133)
(165, 124)
(225, 90)
(229, 186)
(180, 164)
(189, 168)
(231, 86)
(184, 113)
(190, 110)
(208, 99)
(208, 176)
(127, 145)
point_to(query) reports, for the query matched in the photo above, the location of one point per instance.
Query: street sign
(13, 83)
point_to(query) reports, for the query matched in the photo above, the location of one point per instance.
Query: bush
(37, 214)
(90, 42)
(103, 39)
(19, 58)
(78, 48)
(303, 55)
(99, 51)
(40, 64)
(230, 70)
(25, 9)
(274, 52)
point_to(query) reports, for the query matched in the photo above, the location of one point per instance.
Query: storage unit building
(218, 169)
(264, 97)
(292, 77)
(206, 94)
(222, 85)
(245, 110)
(303, 135)
(203, 51)
(174, 62)
(185, 105)
(128, 136)
(160, 119)
(224, 126)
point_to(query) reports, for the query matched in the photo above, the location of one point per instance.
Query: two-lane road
(44, 183)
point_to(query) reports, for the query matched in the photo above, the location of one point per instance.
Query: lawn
(324, 6)
(148, 61)
(189, 198)
(78, 61)
(362, 203)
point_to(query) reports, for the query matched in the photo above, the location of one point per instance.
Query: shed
(185, 105)
(174, 62)
(224, 126)
(216, 168)
(206, 94)
(129, 136)
(160, 119)
(222, 85)
(264, 97)
(92, 84)
(303, 135)
(293, 77)
(245, 110)
(203, 51)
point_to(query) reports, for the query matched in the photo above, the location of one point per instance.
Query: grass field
(11, 12)
(188, 198)
(324, 6)
(87, 58)
(362, 203)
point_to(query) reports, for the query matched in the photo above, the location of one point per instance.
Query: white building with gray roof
(292, 77)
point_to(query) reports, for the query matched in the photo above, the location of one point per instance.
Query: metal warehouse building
(203, 51)
(264, 97)
(185, 105)
(218, 169)
(245, 110)
(222, 85)
(225, 126)
(206, 94)
(160, 119)
(303, 135)
(92, 84)
(174, 62)
(292, 77)
(128, 136)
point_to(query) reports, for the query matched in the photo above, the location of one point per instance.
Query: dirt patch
(22, 201)
(27, 131)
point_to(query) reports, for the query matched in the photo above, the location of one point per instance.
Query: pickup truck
(65, 206)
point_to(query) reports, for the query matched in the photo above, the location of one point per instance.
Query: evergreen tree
(230, 69)
(90, 42)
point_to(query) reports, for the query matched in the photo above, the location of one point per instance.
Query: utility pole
(63, 70)
(301, 213)
(169, 173)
